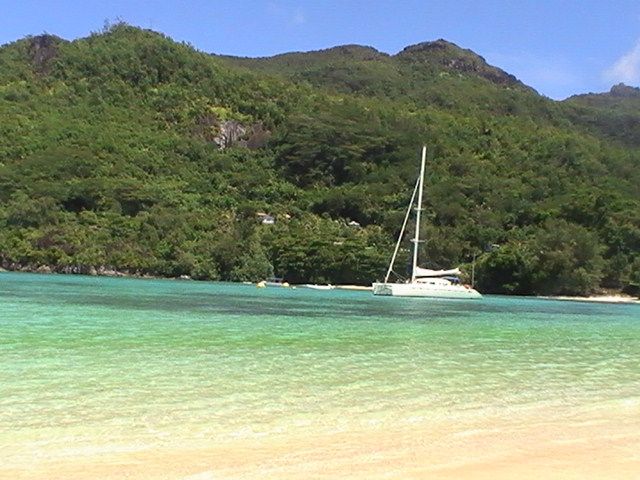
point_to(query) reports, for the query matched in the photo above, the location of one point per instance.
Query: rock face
(618, 93)
(231, 133)
(450, 56)
(625, 91)
(43, 49)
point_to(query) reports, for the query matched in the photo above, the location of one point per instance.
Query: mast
(416, 240)
(401, 236)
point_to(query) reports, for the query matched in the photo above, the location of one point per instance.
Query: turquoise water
(92, 364)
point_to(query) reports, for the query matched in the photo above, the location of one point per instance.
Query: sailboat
(424, 282)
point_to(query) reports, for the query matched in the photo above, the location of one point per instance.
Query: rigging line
(398, 275)
(404, 224)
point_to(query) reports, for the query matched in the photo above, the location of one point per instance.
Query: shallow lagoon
(171, 379)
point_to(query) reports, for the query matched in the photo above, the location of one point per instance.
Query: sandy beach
(551, 444)
(598, 299)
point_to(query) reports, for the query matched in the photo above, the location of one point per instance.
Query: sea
(145, 378)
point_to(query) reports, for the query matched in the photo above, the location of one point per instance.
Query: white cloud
(298, 17)
(627, 68)
(285, 15)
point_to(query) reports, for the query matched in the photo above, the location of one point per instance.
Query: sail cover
(425, 272)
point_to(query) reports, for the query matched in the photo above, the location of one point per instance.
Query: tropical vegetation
(128, 151)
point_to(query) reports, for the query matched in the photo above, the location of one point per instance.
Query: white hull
(425, 290)
(318, 287)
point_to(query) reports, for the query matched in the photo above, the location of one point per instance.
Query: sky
(559, 47)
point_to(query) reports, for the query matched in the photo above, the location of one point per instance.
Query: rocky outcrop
(43, 49)
(231, 133)
(625, 91)
(441, 53)
(101, 270)
(617, 93)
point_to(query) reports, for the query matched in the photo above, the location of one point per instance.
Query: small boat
(275, 282)
(424, 282)
(318, 287)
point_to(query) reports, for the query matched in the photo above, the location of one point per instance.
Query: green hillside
(614, 115)
(431, 74)
(128, 151)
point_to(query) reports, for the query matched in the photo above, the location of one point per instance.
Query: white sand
(553, 443)
(599, 299)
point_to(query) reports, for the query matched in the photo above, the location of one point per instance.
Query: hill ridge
(129, 151)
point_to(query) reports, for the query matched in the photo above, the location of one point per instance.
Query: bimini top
(425, 272)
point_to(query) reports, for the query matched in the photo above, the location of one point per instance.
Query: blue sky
(558, 47)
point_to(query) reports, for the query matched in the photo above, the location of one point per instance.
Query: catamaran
(424, 282)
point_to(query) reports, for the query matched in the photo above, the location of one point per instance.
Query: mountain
(448, 56)
(422, 74)
(128, 151)
(437, 57)
(615, 114)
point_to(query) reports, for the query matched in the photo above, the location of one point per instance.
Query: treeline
(128, 151)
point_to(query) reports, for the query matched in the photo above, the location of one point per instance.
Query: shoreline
(354, 287)
(624, 299)
(91, 271)
(107, 271)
